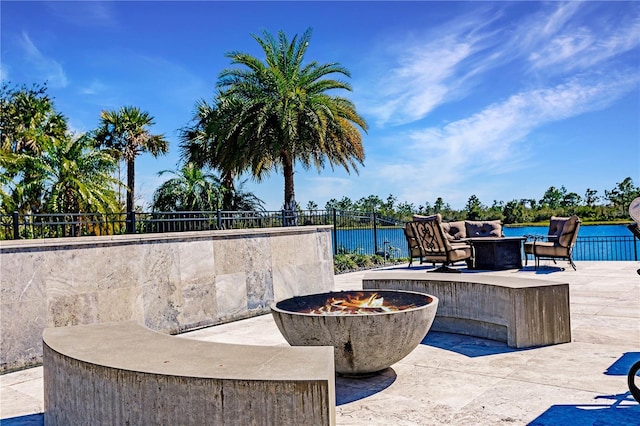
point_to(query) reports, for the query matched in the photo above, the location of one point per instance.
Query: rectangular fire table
(497, 253)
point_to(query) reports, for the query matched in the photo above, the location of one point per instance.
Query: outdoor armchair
(433, 246)
(560, 240)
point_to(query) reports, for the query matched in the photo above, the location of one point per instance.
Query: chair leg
(573, 265)
(445, 268)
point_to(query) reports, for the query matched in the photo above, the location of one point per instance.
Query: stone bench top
(133, 347)
(522, 312)
(500, 281)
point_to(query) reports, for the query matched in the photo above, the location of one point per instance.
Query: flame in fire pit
(354, 304)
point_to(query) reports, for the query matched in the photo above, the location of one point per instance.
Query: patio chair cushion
(485, 228)
(555, 228)
(568, 233)
(454, 230)
(418, 217)
(545, 249)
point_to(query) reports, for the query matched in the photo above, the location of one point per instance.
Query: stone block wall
(169, 282)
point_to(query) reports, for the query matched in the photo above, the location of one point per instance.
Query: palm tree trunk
(289, 194)
(227, 197)
(131, 181)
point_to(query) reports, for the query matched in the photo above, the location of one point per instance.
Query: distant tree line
(554, 202)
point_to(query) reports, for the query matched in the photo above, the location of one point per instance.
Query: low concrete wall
(123, 373)
(169, 282)
(522, 312)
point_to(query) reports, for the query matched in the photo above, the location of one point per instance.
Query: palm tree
(190, 190)
(125, 132)
(28, 119)
(241, 200)
(282, 113)
(28, 124)
(205, 144)
(77, 177)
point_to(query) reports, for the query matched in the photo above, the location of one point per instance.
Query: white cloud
(581, 47)
(427, 70)
(83, 13)
(491, 141)
(96, 87)
(446, 64)
(46, 68)
(420, 82)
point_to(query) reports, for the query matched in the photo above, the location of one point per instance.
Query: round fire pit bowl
(366, 338)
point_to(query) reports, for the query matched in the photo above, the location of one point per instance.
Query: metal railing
(606, 248)
(353, 232)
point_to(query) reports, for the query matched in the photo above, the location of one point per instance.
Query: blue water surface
(595, 242)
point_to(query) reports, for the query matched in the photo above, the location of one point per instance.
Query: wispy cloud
(96, 87)
(446, 64)
(46, 68)
(428, 70)
(559, 41)
(83, 13)
(488, 142)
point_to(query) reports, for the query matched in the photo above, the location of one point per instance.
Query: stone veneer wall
(169, 282)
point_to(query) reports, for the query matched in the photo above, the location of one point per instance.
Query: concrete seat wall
(522, 312)
(124, 373)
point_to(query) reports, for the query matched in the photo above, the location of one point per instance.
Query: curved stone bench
(124, 373)
(520, 311)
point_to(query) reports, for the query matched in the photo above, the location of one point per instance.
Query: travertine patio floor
(461, 380)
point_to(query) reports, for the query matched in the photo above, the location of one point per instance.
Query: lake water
(585, 231)
(597, 242)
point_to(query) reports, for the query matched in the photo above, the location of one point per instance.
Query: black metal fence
(354, 232)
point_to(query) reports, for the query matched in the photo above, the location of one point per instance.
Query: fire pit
(369, 330)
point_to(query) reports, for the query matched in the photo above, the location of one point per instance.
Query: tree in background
(242, 200)
(553, 196)
(590, 197)
(345, 204)
(623, 194)
(190, 189)
(28, 119)
(474, 208)
(28, 124)
(210, 140)
(405, 210)
(514, 212)
(285, 114)
(438, 206)
(126, 134)
(77, 177)
(571, 200)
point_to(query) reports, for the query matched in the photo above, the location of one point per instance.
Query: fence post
(335, 232)
(375, 233)
(16, 224)
(219, 217)
(131, 222)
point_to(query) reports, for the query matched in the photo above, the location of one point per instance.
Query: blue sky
(495, 99)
